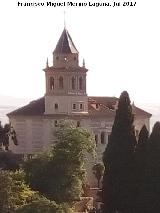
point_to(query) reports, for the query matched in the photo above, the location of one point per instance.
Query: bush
(43, 205)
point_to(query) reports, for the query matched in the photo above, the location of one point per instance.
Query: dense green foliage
(43, 205)
(17, 197)
(140, 178)
(13, 191)
(141, 154)
(131, 180)
(59, 174)
(9, 161)
(118, 159)
(39, 206)
(147, 171)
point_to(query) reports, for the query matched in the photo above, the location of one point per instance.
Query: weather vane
(64, 19)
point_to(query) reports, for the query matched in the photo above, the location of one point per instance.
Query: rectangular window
(96, 139)
(102, 138)
(74, 106)
(55, 123)
(78, 123)
(56, 106)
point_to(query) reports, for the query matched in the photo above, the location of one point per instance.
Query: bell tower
(65, 80)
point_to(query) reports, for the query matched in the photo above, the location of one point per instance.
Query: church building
(66, 98)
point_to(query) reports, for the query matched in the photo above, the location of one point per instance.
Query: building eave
(104, 109)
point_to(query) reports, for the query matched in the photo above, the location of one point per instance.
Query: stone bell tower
(65, 80)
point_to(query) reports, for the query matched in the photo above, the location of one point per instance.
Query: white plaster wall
(140, 121)
(32, 135)
(22, 127)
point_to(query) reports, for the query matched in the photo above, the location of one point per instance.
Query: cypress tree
(153, 171)
(141, 153)
(140, 171)
(118, 159)
(143, 138)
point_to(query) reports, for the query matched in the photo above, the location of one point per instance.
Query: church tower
(65, 80)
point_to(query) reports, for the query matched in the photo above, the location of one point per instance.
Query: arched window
(51, 83)
(73, 83)
(80, 83)
(56, 106)
(60, 82)
(81, 106)
(102, 138)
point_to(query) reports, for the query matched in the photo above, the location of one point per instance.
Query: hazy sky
(121, 47)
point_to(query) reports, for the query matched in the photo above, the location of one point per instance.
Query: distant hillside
(3, 111)
(12, 101)
(8, 104)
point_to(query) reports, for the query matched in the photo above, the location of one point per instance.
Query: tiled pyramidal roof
(65, 44)
(97, 106)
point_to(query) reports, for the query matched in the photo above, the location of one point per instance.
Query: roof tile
(65, 44)
(97, 106)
